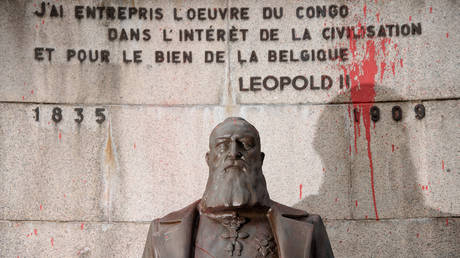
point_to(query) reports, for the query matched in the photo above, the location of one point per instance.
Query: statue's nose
(235, 152)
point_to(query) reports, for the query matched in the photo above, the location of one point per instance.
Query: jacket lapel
(292, 235)
(175, 235)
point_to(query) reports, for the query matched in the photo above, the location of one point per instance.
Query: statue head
(235, 167)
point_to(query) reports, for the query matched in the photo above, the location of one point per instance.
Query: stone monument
(236, 216)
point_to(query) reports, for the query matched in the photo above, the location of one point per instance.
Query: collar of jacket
(293, 235)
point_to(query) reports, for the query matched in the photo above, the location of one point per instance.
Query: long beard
(235, 189)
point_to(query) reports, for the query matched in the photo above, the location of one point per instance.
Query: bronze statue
(236, 216)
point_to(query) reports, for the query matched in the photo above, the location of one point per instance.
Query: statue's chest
(235, 237)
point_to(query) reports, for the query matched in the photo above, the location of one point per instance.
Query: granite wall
(99, 133)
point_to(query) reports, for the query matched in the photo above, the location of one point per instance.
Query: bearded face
(235, 167)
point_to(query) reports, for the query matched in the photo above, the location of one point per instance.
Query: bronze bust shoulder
(236, 217)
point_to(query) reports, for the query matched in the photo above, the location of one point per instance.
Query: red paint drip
(447, 35)
(35, 231)
(43, 21)
(418, 235)
(442, 165)
(392, 148)
(82, 226)
(300, 191)
(431, 9)
(52, 241)
(362, 75)
(22, 97)
(393, 68)
(60, 136)
(41, 207)
(356, 203)
(134, 146)
(365, 10)
(447, 222)
(410, 18)
(32, 92)
(378, 17)
(401, 62)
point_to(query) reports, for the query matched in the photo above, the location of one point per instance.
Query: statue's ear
(207, 158)
(262, 157)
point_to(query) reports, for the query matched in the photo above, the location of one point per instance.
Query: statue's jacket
(297, 233)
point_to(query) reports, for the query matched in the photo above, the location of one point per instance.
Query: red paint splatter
(204, 250)
(447, 35)
(300, 191)
(356, 203)
(442, 165)
(82, 226)
(41, 207)
(60, 136)
(431, 9)
(410, 18)
(35, 231)
(392, 148)
(378, 17)
(52, 241)
(447, 222)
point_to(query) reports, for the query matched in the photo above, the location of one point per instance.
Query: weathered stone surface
(51, 171)
(62, 81)
(395, 238)
(72, 239)
(160, 167)
(407, 158)
(397, 68)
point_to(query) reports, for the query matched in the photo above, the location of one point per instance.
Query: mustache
(235, 163)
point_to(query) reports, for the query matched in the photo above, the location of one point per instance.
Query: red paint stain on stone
(366, 216)
(410, 18)
(431, 9)
(447, 222)
(41, 207)
(82, 226)
(401, 62)
(134, 146)
(365, 10)
(300, 191)
(393, 68)
(35, 231)
(52, 241)
(392, 148)
(43, 21)
(442, 165)
(447, 35)
(60, 136)
(356, 203)
(32, 92)
(22, 97)
(349, 151)
(378, 17)
(418, 235)
(336, 199)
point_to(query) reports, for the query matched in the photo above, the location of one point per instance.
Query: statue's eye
(247, 143)
(222, 146)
